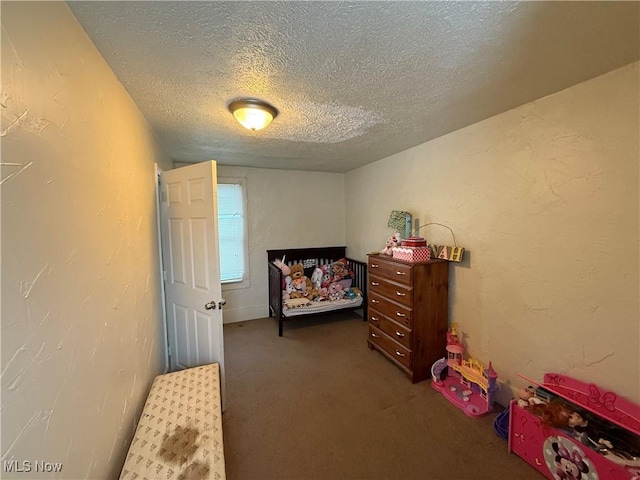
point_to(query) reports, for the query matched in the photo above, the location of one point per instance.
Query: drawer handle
(401, 315)
(399, 334)
(375, 319)
(373, 300)
(374, 265)
(374, 335)
(400, 294)
(538, 462)
(400, 354)
(400, 273)
(375, 284)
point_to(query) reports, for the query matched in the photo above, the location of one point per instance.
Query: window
(232, 231)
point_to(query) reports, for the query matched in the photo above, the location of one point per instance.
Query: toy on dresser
(576, 431)
(392, 241)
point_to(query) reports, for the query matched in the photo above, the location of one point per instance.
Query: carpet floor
(318, 404)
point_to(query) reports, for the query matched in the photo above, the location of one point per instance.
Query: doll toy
(336, 292)
(527, 396)
(607, 441)
(555, 414)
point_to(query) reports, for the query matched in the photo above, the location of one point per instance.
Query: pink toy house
(466, 383)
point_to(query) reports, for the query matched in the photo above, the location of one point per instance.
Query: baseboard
(242, 314)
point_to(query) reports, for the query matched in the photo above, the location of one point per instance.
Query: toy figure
(340, 271)
(527, 396)
(336, 292)
(598, 437)
(392, 241)
(452, 335)
(282, 266)
(316, 279)
(302, 287)
(289, 288)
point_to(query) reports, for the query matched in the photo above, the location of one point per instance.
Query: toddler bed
(337, 283)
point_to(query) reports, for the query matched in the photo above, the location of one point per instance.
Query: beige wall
(81, 330)
(285, 209)
(545, 197)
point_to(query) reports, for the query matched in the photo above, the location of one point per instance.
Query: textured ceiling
(353, 82)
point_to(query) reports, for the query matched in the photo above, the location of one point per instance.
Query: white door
(189, 229)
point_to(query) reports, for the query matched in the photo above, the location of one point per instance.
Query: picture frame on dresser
(559, 452)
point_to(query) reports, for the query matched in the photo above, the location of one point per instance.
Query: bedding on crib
(333, 282)
(332, 290)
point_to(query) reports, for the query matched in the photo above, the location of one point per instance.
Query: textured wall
(285, 209)
(81, 329)
(545, 197)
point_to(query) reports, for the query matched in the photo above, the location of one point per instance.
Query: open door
(190, 254)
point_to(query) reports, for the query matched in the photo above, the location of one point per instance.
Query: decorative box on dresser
(408, 312)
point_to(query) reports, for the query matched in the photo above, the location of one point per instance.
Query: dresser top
(389, 258)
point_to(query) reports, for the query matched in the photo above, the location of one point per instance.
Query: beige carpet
(318, 404)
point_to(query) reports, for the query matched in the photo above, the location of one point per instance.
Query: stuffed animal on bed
(392, 241)
(302, 287)
(282, 266)
(353, 292)
(335, 291)
(288, 288)
(316, 279)
(340, 270)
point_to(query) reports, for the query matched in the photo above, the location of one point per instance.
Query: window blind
(231, 232)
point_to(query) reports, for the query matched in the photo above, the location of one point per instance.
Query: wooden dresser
(408, 312)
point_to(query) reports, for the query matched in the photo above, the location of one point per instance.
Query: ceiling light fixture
(253, 114)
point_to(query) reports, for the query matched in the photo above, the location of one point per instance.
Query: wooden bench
(179, 435)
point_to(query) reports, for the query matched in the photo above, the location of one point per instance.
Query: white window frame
(245, 282)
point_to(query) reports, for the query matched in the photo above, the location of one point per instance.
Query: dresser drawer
(397, 332)
(395, 292)
(398, 313)
(395, 350)
(394, 271)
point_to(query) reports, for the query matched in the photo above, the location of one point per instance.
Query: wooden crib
(312, 258)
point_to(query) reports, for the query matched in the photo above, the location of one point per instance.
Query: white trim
(158, 173)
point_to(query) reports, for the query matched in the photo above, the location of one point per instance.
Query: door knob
(221, 303)
(210, 306)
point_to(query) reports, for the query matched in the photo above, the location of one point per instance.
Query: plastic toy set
(564, 428)
(465, 383)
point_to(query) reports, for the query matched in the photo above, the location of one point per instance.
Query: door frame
(167, 364)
